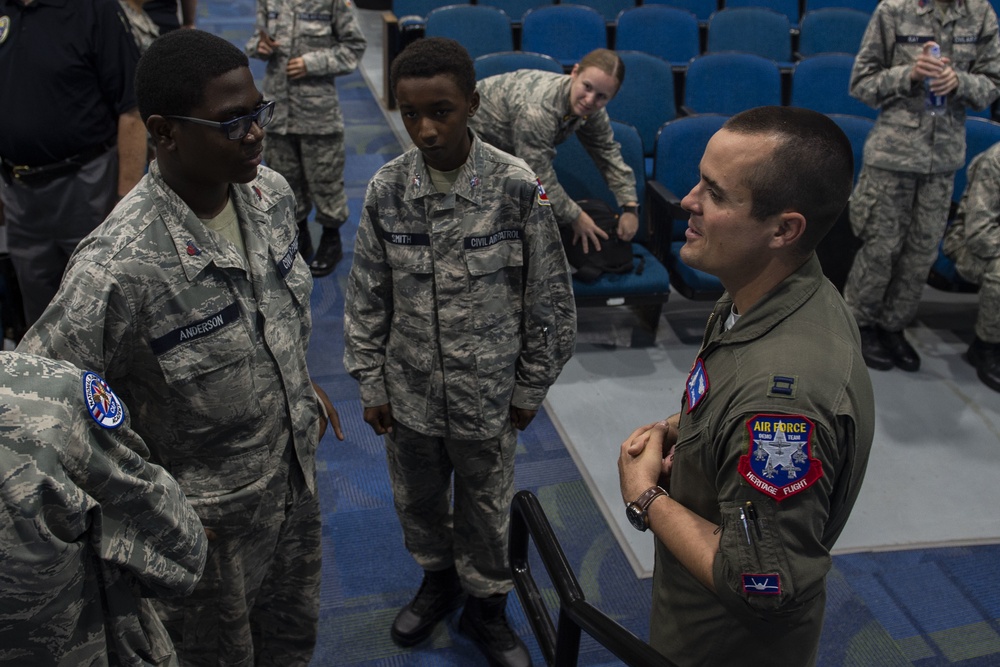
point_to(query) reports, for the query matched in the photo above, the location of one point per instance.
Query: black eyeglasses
(237, 128)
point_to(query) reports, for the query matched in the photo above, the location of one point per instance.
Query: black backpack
(615, 255)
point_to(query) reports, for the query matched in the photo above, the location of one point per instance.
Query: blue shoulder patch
(102, 403)
(697, 384)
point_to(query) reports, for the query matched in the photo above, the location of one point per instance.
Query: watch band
(648, 496)
(637, 511)
(631, 208)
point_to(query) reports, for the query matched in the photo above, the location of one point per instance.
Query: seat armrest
(391, 46)
(663, 207)
(661, 201)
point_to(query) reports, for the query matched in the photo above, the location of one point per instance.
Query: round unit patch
(102, 404)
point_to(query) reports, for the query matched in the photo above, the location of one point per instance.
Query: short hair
(431, 56)
(174, 72)
(810, 171)
(607, 61)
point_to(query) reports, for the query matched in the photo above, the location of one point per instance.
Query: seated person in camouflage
(92, 529)
(459, 316)
(973, 241)
(529, 112)
(192, 300)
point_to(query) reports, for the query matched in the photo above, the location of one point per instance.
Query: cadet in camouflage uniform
(306, 44)
(529, 112)
(900, 206)
(90, 525)
(973, 241)
(767, 455)
(459, 316)
(192, 300)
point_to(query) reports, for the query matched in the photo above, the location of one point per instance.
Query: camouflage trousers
(985, 272)
(473, 534)
(313, 165)
(258, 601)
(900, 217)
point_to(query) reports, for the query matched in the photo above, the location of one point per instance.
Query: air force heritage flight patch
(778, 461)
(4, 28)
(102, 404)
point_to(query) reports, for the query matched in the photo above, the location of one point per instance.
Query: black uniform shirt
(66, 74)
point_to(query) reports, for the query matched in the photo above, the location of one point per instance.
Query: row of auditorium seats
(677, 152)
(671, 166)
(610, 9)
(671, 104)
(723, 83)
(567, 31)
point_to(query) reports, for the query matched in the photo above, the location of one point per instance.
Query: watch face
(635, 517)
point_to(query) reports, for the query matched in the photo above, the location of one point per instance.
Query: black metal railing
(562, 648)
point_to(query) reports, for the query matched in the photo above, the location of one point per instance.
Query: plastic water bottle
(935, 104)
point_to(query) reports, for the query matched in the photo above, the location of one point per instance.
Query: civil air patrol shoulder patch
(4, 28)
(697, 384)
(779, 462)
(543, 199)
(102, 403)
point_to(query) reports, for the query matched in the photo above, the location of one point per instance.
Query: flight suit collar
(775, 306)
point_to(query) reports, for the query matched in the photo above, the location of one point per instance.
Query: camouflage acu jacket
(526, 113)
(905, 137)
(208, 351)
(458, 305)
(326, 34)
(87, 527)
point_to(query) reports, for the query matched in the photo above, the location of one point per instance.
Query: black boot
(874, 353)
(485, 622)
(440, 593)
(986, 358)
(328, 253)
(902, 353)
(305, 241)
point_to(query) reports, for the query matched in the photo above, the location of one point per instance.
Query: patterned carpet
(927, 608)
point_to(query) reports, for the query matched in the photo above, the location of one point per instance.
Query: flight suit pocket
(759, 569)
